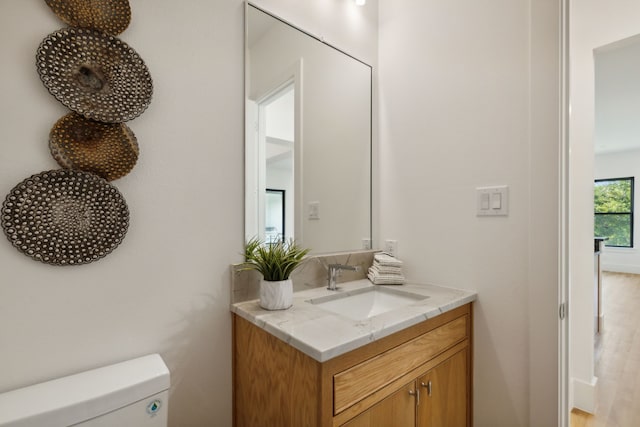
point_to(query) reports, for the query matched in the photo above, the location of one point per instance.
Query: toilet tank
(132, 393)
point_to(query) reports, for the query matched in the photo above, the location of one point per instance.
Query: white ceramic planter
(276, 295)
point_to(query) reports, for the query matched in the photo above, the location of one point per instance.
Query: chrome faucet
(333, 274)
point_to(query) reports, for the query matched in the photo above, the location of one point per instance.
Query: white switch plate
(314, 210)
(499, 201)
(391, 247)
(366, 243)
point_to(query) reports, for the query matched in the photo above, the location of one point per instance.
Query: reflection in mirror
(308, 134)
(275, 214)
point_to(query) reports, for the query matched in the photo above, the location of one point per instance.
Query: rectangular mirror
(308, 134)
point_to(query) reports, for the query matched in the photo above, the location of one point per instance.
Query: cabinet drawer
(359, 381)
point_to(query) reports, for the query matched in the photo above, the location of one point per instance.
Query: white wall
(619, 165)
(469, 98)
(166, 288)
(593, 24)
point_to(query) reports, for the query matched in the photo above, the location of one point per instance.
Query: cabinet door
(443, 394)
(397, 410)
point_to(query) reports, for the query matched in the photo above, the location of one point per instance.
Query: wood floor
(617, 356)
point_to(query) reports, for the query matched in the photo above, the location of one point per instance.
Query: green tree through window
(613, 203)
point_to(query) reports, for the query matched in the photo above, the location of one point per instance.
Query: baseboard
(584, 395)
(621, 268)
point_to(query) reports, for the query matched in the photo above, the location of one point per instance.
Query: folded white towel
(387, 260)
(386, 269)
(385, 279)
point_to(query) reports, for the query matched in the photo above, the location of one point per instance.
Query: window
(613, 203)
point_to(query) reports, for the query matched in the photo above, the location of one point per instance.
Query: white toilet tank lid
(76, 398)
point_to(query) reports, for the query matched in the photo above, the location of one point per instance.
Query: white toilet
(134, 393)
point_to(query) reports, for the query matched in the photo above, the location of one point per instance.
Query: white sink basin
(364, 303)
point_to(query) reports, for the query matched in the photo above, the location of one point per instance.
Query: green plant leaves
(275, 261)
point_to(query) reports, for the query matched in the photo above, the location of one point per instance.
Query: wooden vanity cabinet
(419, 376)
(397, 410)
(438, 398)
(443, 394)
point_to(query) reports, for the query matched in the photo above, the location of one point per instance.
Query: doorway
(271, 148)
(594, 26)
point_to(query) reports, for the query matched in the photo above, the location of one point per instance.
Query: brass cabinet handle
(415, 393)
(427, 386)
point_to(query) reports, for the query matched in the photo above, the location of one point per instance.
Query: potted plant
(275, 261)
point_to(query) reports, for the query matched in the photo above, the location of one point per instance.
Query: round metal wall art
(65, 217)
(94, 74)
(111, 17)
(109, 150)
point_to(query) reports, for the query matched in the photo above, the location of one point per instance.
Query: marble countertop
(324, 335)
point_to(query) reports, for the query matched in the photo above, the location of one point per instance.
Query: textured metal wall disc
(65, 217)
(109, 16)
(94, 74)
(109, 150)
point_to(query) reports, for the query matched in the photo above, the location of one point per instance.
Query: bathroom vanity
(318, 365)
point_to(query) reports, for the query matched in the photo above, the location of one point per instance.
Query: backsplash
(312, 273)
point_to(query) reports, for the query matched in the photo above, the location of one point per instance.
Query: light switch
(484, 201)
(492, 201)
(496, 201)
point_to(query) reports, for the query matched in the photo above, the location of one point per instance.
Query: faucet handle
(333, 273)
(344, 267)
